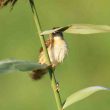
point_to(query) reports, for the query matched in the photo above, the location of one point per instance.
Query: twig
(51, 73)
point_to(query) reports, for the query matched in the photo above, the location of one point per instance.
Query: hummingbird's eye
(57, 34)
(54, 33)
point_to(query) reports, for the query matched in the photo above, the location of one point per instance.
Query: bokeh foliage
(87, 63)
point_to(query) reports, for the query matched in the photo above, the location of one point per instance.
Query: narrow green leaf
(82, 94)
(51, 31)
(80, 29)
(87, 29)
(14, 65)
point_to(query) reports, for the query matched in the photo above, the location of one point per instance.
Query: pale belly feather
(57, 53)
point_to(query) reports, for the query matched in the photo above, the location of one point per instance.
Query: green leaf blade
(82, 94)
(80, 29)
(19, 65)
(50, 31)
(5, 66)
(87, 29)
(58, 29)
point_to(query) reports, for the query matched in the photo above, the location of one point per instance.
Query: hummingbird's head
(57, 33)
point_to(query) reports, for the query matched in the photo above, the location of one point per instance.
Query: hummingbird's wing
(48, 42)
(80, 29)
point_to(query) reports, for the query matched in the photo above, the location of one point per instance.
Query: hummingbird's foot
(51, 67)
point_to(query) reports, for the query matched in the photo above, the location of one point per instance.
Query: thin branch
(51, 73)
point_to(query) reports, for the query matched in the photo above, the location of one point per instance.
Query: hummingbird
(57, 50)
(57, 47)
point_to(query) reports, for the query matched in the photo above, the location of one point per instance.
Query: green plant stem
(51, 73)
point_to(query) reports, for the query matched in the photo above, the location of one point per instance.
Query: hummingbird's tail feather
(38, 74)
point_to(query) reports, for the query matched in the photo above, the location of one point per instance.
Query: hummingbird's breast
(58, 51)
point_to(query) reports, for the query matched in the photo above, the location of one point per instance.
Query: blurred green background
(87, 64)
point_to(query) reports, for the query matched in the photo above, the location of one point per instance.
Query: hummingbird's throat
(57, 36)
